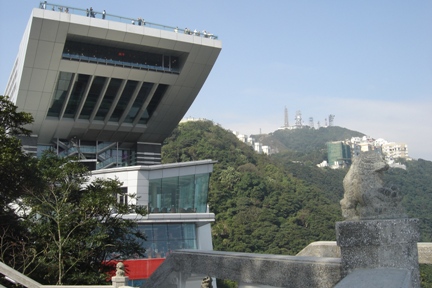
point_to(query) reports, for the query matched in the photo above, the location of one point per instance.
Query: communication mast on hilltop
(331, 119)
(286, 124)
(298, 119)
(311, 122)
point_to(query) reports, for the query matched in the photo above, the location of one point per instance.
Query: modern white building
(110, 92)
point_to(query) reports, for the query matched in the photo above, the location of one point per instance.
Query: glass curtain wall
(164, 238)
(184, 194)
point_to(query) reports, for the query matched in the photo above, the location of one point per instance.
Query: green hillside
(305, 144)
(259, 205)
(307, 140)
(279, 204)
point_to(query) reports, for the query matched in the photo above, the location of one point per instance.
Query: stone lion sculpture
(120, 269)
(365, 196)
(207, 282)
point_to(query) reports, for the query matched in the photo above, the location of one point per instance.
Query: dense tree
(78, 224)
(16, 174)
(15, 165)
(55, 225)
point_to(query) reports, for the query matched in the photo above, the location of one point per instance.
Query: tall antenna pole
(298, 119)
(311, 122)
(331, 119)
(286, 124)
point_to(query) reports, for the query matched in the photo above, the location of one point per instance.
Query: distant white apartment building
(258, 147)
(266, 149)
(395, 150)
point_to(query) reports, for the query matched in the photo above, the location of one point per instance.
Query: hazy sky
(367, 62)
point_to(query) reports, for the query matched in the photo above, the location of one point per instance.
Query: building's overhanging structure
(109, 93)
(91, 81)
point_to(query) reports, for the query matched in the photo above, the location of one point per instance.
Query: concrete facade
(40, 59)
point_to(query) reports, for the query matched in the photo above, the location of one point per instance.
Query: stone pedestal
(119, 281)
(390, 243)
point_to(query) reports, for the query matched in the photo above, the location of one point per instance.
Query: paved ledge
(330, 249)
(377, 278)
(266, 269)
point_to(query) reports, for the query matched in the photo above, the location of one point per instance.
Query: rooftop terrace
(90, 12)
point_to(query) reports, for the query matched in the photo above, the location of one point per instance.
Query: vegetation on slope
(259, 205)
(305, 145)
(280, 204)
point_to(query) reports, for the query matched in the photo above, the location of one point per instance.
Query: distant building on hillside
(395, 150)
(258, 147)
(338, 154)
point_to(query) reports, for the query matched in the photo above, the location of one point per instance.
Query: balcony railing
(89, 12)
(82, 58)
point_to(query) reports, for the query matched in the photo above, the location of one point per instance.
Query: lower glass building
(178, 217)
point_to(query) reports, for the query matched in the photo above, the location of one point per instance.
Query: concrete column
(386, 243)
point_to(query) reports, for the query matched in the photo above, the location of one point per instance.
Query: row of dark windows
(80, 51)
(71, 92)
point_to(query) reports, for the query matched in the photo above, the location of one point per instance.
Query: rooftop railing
(90, 12)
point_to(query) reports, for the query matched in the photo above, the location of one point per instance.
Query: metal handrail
(89, 12)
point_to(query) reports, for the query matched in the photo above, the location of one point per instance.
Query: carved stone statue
(207, 282)
(120, 269)
(365, 196)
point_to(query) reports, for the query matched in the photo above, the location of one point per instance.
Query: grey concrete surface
(390, 243)
(330, 249)
(271, 270)
(377, 278)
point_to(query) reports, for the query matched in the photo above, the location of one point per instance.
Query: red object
(139, 268)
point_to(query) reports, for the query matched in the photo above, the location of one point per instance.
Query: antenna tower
(331, 119)
(286, 124)
(311, 122)
(298, 119)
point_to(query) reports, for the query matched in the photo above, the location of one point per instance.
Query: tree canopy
(56, 225)
(78, 224)
(15, 166)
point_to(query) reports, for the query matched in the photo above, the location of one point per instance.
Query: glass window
(112, 54)
(174, 64)
(123, 102)
(201, 192)
(154, 103)
(164, 238)
(166, 63)
(155, 190)
(42, 148)
(63, 84)
(169, 195)
(76, 95)
(139, 101)
(92, 97)
(108, 99)
(122, 198)
(186, 195)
